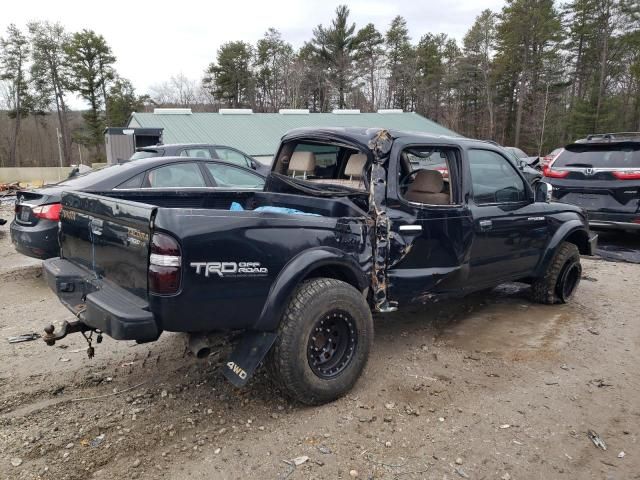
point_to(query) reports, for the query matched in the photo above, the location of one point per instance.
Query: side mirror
(523, 164)
(543, 191)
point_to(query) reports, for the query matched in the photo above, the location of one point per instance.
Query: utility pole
(58, 136)
(80, 153)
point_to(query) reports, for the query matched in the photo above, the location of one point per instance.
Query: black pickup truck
(351, 221)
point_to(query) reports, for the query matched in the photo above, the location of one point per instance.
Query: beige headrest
(355, 164)
(302, 162)
(427, 181)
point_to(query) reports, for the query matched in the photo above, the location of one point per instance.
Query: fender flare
(565, 230)
(292, 275)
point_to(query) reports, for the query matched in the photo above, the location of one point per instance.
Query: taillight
(48, 212)
(547, 171)
(165, 265)
(627, 174)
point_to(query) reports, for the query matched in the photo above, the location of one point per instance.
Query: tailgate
(108, 236)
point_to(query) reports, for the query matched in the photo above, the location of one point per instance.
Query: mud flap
(247, 355)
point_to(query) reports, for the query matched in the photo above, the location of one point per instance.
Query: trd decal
(230, 269)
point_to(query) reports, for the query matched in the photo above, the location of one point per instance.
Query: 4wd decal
(236, 369)
(230, 269)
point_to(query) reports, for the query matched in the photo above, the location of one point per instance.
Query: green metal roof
(259, 134)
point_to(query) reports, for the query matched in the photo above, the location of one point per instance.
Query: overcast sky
(154, 40)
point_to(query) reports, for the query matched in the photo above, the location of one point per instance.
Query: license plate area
(23, 214)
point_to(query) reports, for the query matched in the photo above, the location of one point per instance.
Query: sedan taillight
(48, 212)
(165, 265)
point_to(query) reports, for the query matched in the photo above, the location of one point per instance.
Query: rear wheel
(323, 341)
(562, 277)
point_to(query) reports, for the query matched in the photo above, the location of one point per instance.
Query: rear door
(601, 178)
(108, 236)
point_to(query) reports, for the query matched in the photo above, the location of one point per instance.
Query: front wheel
(323, 341)
(562, 277)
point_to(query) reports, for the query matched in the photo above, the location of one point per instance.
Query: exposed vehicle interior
(424, 175)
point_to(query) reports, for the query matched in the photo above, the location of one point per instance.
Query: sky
(154, 40)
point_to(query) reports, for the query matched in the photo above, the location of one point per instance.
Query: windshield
(600, 156)
(519, 153)
(90, 178)
(146, 154)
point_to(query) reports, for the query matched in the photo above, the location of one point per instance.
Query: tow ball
(51, 336)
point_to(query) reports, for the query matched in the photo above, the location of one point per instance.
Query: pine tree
(14, 54)
(368, 56)
(335, 45)
(230, 79)
(50, 74)
(90, 60)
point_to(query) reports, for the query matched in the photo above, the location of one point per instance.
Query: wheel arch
(314, 263)
(573, 232)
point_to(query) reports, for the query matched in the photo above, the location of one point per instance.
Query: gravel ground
(491, 387)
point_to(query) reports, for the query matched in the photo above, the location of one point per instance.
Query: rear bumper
(100, 304)
(38, 241)
(614, 221)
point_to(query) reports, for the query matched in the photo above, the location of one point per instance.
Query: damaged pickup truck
(351, 221)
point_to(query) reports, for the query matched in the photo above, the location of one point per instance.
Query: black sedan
(34, 230)
(203, 151)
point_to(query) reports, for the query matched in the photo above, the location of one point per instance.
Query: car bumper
(100, 304)
(38, 241)
(614, 221)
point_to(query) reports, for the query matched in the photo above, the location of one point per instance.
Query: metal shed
(121, 143)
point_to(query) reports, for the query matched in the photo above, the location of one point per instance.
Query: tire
(562, 277)
(298, 364)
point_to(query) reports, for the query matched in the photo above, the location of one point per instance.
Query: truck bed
(108, 238)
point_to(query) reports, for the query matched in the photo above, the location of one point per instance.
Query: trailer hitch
(51, 336)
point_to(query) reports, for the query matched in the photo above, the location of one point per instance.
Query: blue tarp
(236, 207)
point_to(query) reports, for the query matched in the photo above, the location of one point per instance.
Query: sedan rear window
(600, 156)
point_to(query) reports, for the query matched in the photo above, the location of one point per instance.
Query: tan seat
(302, 163)
(427, 188)
(354, 166)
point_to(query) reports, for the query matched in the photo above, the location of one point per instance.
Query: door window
(228, 176)
(232, 156)
(424, 175)
(494, 179)
(196, 153)
(183, 175)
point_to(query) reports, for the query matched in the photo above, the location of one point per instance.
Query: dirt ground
(492, 387)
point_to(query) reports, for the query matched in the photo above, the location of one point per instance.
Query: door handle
(410, 228)
(485, 225)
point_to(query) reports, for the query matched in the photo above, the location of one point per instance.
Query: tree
(368, 57)
(401, 65)
(273, 59)
(230, 79)
(50, 73)
(335, 46)
(91, 63)
(14, 54)
(476, 72)
(528, 39)
(122, 101)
